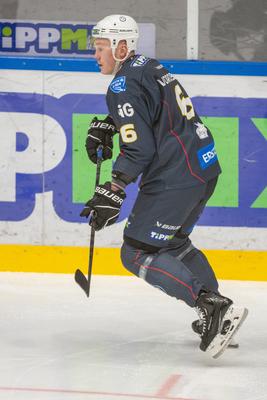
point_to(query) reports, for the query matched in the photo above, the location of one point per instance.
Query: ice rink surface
(127, 341)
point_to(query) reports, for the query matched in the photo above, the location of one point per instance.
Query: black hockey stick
(83, 281)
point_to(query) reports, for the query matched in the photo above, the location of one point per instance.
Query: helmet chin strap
(116, 68)
(118, 60)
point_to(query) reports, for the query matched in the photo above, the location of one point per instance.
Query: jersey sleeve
(133, 115)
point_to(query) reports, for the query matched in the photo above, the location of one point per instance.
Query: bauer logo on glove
(100, 133)
(102, 125)
(106, 204)
(109, 194)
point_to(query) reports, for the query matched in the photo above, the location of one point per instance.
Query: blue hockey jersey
(161, 135)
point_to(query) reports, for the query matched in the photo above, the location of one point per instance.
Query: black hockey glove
(106, 204)
(100, 133)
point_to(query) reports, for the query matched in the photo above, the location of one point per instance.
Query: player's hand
(100, 133)
(105, 205)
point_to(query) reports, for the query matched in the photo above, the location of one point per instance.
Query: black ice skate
(220, 320)
(197, 327)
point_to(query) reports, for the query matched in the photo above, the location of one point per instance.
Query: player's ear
(122, 48)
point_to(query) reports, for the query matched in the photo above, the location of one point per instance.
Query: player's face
(103, 56)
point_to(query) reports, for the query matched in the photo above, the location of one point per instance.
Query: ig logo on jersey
(125, 110)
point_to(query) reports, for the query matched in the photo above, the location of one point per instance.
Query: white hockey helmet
(116, 28)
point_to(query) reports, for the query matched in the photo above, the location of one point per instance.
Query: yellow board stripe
(227, 264)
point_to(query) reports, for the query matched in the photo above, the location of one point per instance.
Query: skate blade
(233, 344)
(221, 341)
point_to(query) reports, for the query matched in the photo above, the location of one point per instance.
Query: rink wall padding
(227, 264)
(46, 105)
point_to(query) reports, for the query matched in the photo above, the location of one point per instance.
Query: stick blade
(82, 281)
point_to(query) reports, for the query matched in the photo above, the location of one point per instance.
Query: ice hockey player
(162, 139)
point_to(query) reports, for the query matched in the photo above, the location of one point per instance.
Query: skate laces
(202, 319)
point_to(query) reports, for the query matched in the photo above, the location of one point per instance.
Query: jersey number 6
(128, 133)
(184, 103)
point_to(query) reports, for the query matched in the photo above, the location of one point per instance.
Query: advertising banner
(46, 177)
(60, 39)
